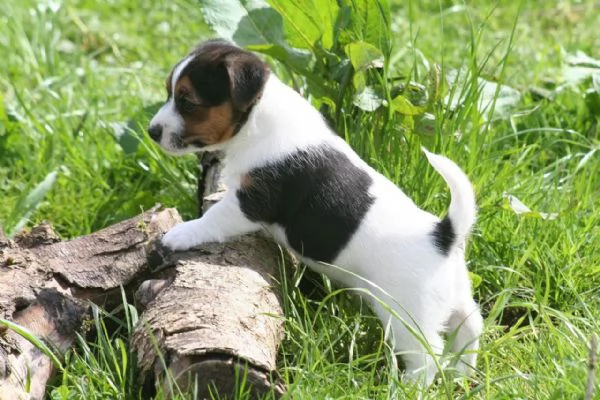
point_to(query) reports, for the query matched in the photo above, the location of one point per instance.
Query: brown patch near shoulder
(245, 181)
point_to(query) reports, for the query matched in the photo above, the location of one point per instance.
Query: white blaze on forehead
(167, 116)
(179, 69)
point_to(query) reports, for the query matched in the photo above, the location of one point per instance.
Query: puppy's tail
(455, 227)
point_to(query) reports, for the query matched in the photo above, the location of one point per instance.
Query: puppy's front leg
(222, 221)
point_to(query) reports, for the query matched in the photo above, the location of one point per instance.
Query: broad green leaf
(343, 26)
(252, 24)
(31, 202)
(369, 21)
(359, 81)
(407, 122)
(403, 106)
(503, 98)
(255, 25)
(364, 55)
(329, 11)
(306, 22)
(368, 100)
(245, 22)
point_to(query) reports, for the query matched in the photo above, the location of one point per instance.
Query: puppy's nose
(155, 132)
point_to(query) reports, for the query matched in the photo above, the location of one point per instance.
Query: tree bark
(211, 316)
(217, 321)
(45, 285)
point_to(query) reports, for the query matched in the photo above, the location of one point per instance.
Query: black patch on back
(317, 195)
(444, 236)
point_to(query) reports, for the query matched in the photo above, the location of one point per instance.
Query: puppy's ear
(247, 78)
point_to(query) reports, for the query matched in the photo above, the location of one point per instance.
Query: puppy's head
(210, 94)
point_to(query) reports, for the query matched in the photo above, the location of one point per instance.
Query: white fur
(462, 205)
(392, 249)
(169, 118)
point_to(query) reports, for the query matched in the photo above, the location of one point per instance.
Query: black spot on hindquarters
(444, 236)
(317, 195)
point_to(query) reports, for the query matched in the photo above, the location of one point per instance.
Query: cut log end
(44, 284)
(222, 375)
(24, 369)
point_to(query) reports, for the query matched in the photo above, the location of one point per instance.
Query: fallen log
(211, 316)
(45, 285)
(217, 321)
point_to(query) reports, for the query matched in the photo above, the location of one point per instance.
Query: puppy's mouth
(193, 141)
(176, 144)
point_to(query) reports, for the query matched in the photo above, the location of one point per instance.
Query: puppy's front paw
(181, 237)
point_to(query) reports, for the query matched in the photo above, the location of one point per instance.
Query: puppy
(289, 174)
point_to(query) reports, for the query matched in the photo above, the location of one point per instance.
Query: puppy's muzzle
(155, 132)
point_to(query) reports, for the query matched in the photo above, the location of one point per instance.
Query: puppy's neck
(280, 123)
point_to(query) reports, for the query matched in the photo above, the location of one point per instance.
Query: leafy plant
(338, 52)
(537, 279)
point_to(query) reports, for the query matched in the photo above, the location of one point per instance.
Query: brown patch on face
(209, 125)
(203, 125)
(185, 89)
(215, 93)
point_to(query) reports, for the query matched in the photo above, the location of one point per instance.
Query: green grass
(72, 74)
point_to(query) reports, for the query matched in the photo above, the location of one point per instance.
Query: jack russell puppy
(289, 174)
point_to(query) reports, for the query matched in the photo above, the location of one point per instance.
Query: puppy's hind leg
(418, 359)
(416, 343)
(464, 328)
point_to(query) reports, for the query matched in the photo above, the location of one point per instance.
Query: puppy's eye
(185, 105)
